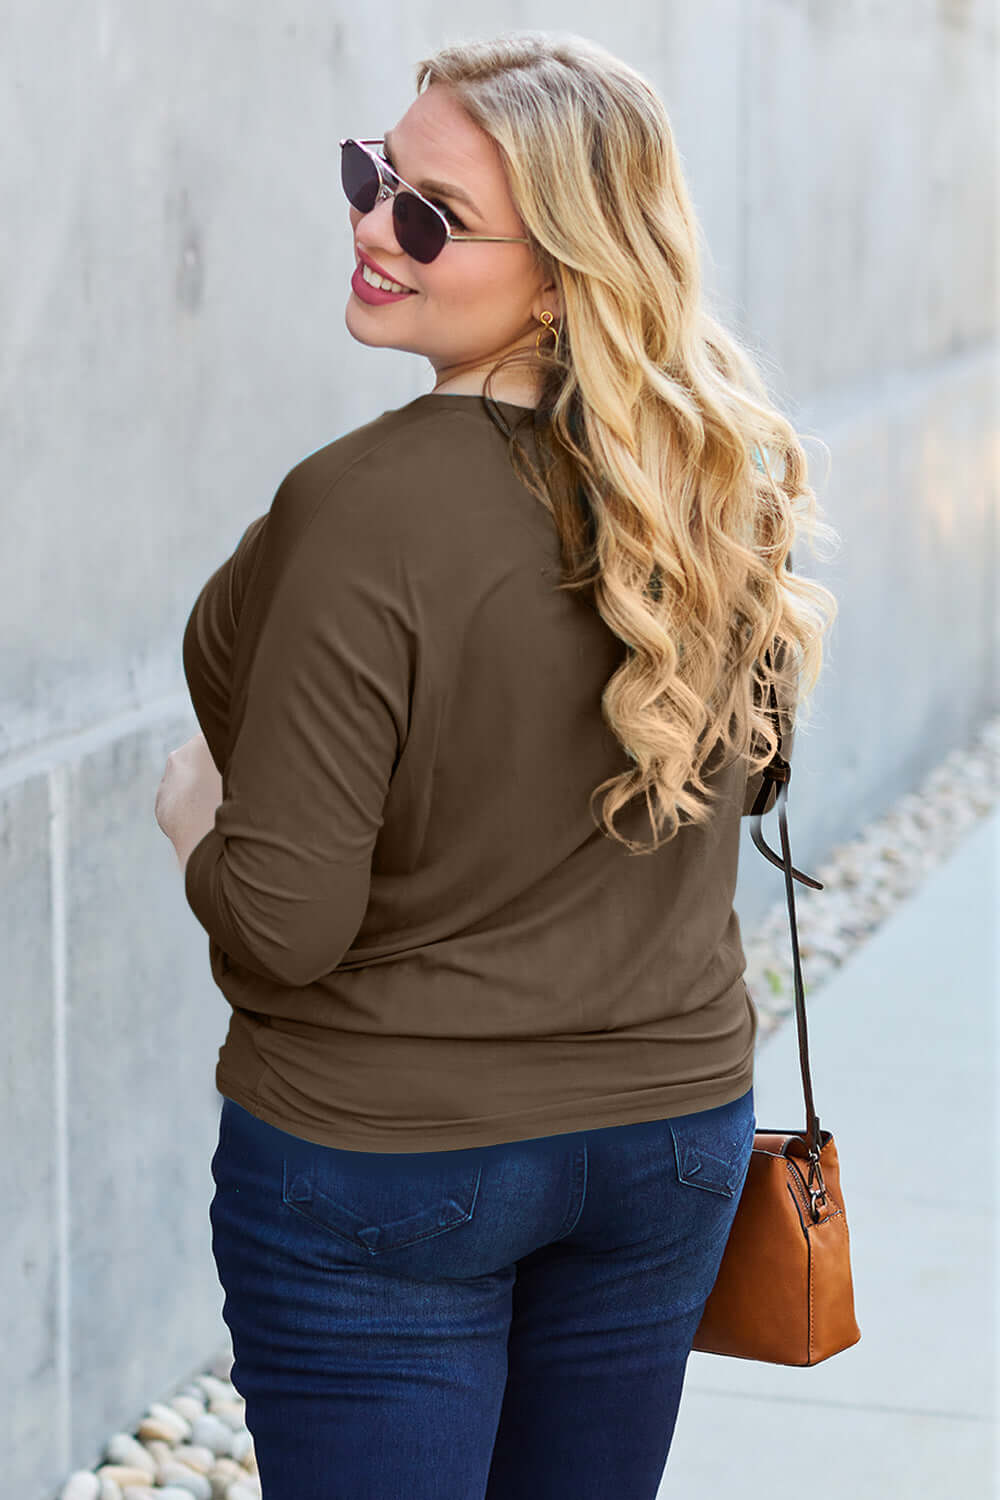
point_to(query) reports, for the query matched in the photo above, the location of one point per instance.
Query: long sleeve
(209, 636)
(282, 880)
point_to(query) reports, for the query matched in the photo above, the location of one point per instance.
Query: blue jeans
(491, 1323)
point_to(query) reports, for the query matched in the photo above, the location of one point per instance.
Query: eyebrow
(443, 189)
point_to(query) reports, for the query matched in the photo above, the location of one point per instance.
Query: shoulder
(393, 478)
(411, 445)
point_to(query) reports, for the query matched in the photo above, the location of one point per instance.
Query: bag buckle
(816, 1195)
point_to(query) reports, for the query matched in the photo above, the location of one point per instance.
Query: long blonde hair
(659, 438)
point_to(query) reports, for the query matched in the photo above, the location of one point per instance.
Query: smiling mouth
(364, 266)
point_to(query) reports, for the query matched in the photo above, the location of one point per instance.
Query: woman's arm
(210, 636)
(281, 878)
(190, 789)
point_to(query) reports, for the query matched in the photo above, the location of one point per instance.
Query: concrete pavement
(904, 1058)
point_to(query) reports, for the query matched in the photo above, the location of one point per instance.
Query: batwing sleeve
(282, 880)
(209, 637)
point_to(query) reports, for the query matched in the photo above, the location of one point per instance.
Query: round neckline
(476, 396)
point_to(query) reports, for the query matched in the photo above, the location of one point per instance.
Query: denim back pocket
(712, 1147)
(380, 1203)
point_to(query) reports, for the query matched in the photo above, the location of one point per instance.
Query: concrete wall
(175, 255)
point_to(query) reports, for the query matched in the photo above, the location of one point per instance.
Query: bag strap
(779, 771)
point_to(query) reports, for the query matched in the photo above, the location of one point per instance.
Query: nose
(385, 229)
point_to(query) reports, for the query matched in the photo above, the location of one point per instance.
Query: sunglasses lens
(359, 177)
(418, 229)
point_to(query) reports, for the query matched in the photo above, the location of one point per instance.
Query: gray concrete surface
(174, 256)
(905, 1066)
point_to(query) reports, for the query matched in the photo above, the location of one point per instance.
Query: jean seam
(579, 1184)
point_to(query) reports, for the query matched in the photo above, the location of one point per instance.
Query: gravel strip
(866, 879)
(196, 1446)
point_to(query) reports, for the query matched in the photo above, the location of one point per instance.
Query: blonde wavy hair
(658, 439)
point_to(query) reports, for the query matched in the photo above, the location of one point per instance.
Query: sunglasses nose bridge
(385, 187)
(387, 194)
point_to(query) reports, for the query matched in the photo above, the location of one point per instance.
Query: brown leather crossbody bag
(784, 1293)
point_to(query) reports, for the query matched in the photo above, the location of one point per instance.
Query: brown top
(426, 941)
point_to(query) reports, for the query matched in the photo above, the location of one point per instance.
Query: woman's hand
(189, 793)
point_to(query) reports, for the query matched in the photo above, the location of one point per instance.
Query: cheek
(474, 282)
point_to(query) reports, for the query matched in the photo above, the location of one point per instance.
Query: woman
(488, 1100)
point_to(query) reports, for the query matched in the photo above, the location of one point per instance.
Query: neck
(519, 385)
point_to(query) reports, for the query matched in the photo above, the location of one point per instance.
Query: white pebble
(166, 1411)
(233, 1413)
(123, 1448)
(110, 1490)
(222, 1390)
(242, 1444)
(242, 1491)
(226, 1468)
(187, 1407)
(159, 1450)
(162, 1422)
(186, 1479)
(191, 1392)
(83, 1485)
(224, 1472)
(194, 1456)
(210, 1432)
(123, 1474)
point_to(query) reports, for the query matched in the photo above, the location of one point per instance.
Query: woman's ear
(549, 300)
(552, 305)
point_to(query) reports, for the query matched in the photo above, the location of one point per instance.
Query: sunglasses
(421, 229)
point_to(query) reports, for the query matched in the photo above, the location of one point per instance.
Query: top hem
(598, 1113)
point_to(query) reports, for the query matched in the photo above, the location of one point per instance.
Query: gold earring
(546, 318)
